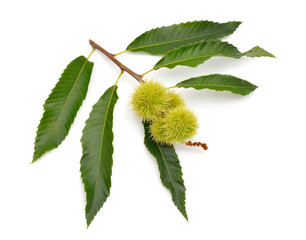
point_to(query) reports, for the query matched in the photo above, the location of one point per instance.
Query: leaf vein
(182, 60)
(167, 168)
(213, 85)
(178, 40)
(65, 103)
(102, 138)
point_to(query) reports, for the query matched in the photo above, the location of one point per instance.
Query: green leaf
(62, 105)
(169, 167)
(219, 82)
(97, 160)
(159, 41)
(196, 53)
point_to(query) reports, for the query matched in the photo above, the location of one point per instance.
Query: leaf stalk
(147, 72)
(121, 52)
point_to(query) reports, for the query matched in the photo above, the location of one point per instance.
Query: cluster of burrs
(171, 121)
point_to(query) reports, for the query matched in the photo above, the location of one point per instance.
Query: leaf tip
(35, 158)
(184, 213)
(273, 56)
(186, 217)
(238, 23)
(258, 52)
(88, 222)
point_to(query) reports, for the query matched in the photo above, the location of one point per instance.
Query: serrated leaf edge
(252, 87)
(239, 55)
(162, 154)
(78, 77)
(214, 85)
(106, 114)
(184, 212)
(187, 45)
(180, 40)
(107, 109)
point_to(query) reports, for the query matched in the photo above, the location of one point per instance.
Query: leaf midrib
(167, 168)
(106, 114)
(178, 40)
(212, 85)
(65, 103)
(182, 60)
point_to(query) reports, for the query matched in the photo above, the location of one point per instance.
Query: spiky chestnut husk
(150, 100)
(176, 100)
(178, 125)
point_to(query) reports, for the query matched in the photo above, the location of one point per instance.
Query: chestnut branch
(118, 63)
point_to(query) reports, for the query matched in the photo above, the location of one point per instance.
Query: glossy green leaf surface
(219, 82)
(161, 40)
(196, 53)
(170, 169)
(97, 160)
(62, 105)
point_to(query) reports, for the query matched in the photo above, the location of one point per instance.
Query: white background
(250, 184)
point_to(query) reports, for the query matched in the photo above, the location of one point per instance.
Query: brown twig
(119, 64)
(198, 144)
